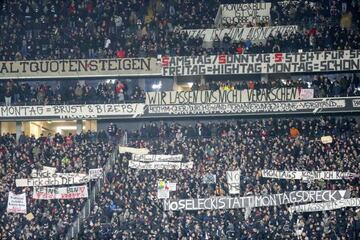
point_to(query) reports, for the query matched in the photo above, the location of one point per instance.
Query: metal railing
(74, 229)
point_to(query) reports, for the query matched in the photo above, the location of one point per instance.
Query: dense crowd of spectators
(32, 93)
(108, 29)
(323, 86)
(68, 154)
(317, 38)
(128, 208)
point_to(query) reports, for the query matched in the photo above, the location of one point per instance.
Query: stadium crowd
(35, 93)
(108, 29)
(323, 86)
(68, 154)
(128, 207)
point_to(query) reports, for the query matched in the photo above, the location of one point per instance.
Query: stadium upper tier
(17, 93)
(108, 29)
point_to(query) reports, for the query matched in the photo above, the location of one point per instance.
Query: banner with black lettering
(223, 96)
(325, 206)
(72, 192)
(45, 172)
(301, 62)
(255, 201)
(71, 111)
(75, 68)
(307, 175)
(255, 34)
(133, 150)
(96, 173)
(233, 180)
(16, 203)
(57, 179)
(280, 107)
(242, 14)
(160, 165)
(157, 158)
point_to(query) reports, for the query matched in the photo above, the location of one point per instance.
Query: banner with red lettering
(72, 192)
(300, 62)
(57, 179)
(16, 203)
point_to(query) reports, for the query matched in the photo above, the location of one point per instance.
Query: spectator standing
(226, 41)
(8, 95)
(112, 129)
(119, 90)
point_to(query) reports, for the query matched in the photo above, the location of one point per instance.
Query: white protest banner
(157, 158)
(325, 206)
(74, 68)
(222, 96)
(247, 108)
(233, 180)
(307, 93)
(255, 201)
(71, 192)
(209, 178)
(160, 165)
(300, 62)
(326, 139)
(241, 14)
(16, 203)
(57, 179)
(133, 150)
(163, 193)
(96, 173)
(45, 172)
(255, 34)
(71, 111)
(171, 186)
(307, 175)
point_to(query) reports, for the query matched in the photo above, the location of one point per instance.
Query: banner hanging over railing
(301, 62)
(72, 111)
(255, 34)
(190, 104)
(233, 96)
(65, 68)
(281, 107)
